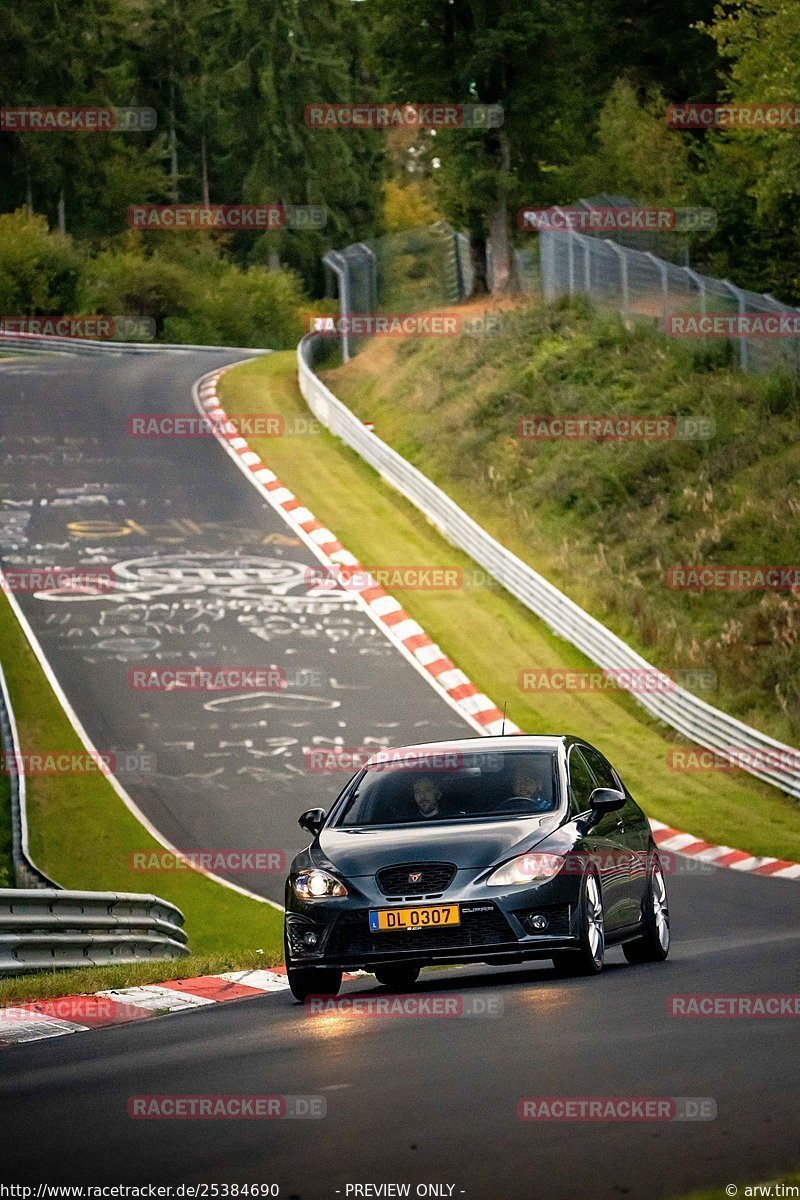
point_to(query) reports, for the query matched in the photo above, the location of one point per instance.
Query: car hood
(472, 845)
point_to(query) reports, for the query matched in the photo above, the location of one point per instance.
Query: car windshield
(473, 786)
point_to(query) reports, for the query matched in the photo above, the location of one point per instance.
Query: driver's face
(426, 795)
(528, 781)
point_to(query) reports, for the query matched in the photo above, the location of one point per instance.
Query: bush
(199, 298)
(130, 284)
(39, 270)
(255, 308)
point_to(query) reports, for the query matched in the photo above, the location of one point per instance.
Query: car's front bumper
(337, 934)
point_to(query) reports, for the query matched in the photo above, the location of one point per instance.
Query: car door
(603, 840)
(638, 840)
(629, 829)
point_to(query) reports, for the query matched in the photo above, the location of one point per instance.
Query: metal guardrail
(45, 928)
(762, 756)
(26, 873)
(67, 345)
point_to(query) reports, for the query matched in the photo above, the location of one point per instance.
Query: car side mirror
(605, 800)
(312, 820)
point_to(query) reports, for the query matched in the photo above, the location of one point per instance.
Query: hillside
(606, 520)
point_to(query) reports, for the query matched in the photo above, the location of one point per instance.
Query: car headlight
(526, 869)
(317, 885)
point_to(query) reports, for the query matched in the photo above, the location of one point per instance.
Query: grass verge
(491, 636)
(81, 834)
(51, 984)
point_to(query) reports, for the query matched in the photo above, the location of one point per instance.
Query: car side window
(602, 770)
(581, 782)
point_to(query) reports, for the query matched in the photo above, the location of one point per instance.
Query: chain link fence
(643, 273)
(414, 270)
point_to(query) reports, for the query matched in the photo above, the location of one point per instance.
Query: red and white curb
(720, 856)
(36, 1019)
(401, 629)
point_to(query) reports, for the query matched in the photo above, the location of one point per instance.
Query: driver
(427, 795)
(530, 780)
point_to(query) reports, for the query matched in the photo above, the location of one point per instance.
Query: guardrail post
(373, 275)
(699, 283)
(623, 272)
(661, 267)
(338, 264)
(738, 294)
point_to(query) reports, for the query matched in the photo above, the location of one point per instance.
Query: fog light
(310, 938)
(537, 922)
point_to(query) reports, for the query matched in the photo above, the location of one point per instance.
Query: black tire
(314, 981)
(588, 958)
(310, 981)
(653, 944)
(397, 976)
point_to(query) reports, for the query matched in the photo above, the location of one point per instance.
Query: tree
(73, 53)
(274, 59)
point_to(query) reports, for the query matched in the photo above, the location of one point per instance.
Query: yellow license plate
(423, 916)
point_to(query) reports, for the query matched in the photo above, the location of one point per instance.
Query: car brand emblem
(415, 877)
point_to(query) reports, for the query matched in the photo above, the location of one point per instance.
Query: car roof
(518, 741)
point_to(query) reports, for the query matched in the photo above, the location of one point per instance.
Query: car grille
(483, 926)
(433, 879)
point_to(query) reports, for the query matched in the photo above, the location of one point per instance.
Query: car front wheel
(310, 981)
(653, 944)
(397, 976)
(588, 958)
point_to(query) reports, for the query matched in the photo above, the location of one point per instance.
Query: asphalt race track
(213, 577)
(415, 1100)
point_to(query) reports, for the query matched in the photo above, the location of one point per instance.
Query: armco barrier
(768, 759)
(26, 873)
(43, 928)
(65, 345)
